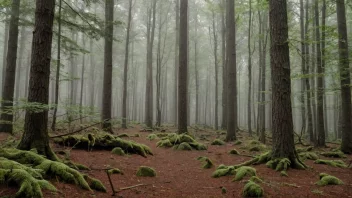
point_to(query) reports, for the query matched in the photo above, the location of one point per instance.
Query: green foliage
(308, 155)
(326, 179)
(118, 151)
(218, 142)
(334, 163)
(145, 171)
(252, 189)
(244, 171)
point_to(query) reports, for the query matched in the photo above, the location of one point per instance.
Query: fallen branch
(112, 186)
(77, 131)
(130, 187)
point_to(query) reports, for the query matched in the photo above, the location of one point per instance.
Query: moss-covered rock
(180, 142)
(223, 190)
(218, 142)
(234, 152)
(164, 143)
(184, 146)
(326, 179)
(308, 155)
(223, 170)
(118, 151)
(152, 137)
(207, 163)
(238, 142)
(145, 171)
(244, 171)
(256, 179)
(333, 154)
(334, 163)
(122, 135)
(252, 189)
(115, 171)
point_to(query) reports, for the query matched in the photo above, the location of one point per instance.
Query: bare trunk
(249, 102)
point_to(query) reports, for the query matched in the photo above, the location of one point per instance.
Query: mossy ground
(145, 171)
(326, 179)
(180, 142)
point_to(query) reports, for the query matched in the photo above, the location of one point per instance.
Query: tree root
(27, 169)
(104, 141)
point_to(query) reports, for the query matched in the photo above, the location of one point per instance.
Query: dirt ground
(180, 174)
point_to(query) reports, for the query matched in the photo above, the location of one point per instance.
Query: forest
(175, 98)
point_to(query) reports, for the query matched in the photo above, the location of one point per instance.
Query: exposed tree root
(104, 141)
(27, 169)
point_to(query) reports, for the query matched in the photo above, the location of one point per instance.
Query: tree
(10, 76)
(282, 123)
(177, 41)
(345, 78)
(224, 71)
(124, 103)
(183, 69)
(320, 129)
(107, 86)
(215, 37)
(231, 70)
(249, 115)
(35, 134)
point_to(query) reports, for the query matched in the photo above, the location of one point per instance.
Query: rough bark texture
(10, 76)
(177, 40)
(231, 70)
(215, 37)
(107, 86)
(196, 68)
(6, 38)
(282, 124)
(249, 102)
(183, 69)
(125, 72)
(303, 88)
(320, 84)
(35, 128)
(346, 127)
(224, 70)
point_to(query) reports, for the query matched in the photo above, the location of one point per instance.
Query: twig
(112, 186)
(77, 131)
(130, 187)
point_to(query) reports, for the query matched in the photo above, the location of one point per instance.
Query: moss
(152, 137)
(254, 142)
(115, 171)
(334, 163)
(326, 179)
(217, 142)
(300, 150)
(81, 167)
(223, 171)
(308, 155)
(137, 135)
(186, 138)
(95, 184)
(223, 190)
(238, 142)
(279, 164)
(244, 171)
(283, 173)
(333, 154)
(257, 148)
(198, 146)
(118, 151)
(145, 171)
(123, 135)
(252, 189)
(164, 143)
(234, 152)
(184, 146)
(207, 163)
(256, 179)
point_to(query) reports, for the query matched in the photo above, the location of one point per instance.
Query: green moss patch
(252, 189)
(334, 163)
(180, 142)
(152, 137)
(244, 171)
(145, 171)
(333, 154)
(184, 146)
(123, 135)
(115, 171)
(207, 163)
(238, 142)
(118, 151)
(218, 142)
(234, 152)
(308, 155)
(326, 179)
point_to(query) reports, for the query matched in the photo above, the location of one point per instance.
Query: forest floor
(180, 174)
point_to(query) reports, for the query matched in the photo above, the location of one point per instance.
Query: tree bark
(6, 38)
(215, 37)
(21, 56)
(183, 69)
(224, 69)
(231, 70)
(303, 48)
(35, 127)
(107, 86)
(249, 102)
(6, 117)
(345, 78)
(125, 72)
(177, 41)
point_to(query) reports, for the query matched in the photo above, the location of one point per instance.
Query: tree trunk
(21, 56)
(323, 50)
(283, 141)
(82, 83)
(125, 72)
(196, 67)
(224, 70)
(57, 79)
(320, 85)
(231, 70)
(107, 86)
(35, 127)
(177, 41)
(303, 48)
(183, 69)
(6, 38)
(249, 102)
(215, 37)
(10, 76)
(346, 127)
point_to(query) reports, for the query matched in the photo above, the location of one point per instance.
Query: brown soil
(180, 174)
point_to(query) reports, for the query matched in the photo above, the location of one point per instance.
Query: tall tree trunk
(249, 101)
(320, 85)
(224, 69)
(177, 41)
(307, 80)
(21, 56)
(303, 48)
(183, 69)
(6, 38)
(283, 141)
(215, 37)
(323, 50)
(35, 127)
(82, 83)
(231, 70)
(92, 77)
(57, 78)
(196, 67)
(345, 77)
(10, 76)
(107, 86)
(125, 72)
